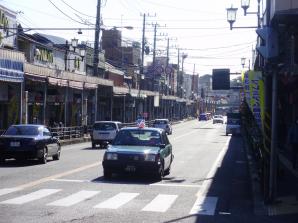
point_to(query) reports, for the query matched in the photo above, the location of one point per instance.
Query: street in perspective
(148, 111)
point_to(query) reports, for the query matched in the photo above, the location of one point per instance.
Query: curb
(259, 207)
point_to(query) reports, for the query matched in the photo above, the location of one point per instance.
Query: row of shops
(36, 94)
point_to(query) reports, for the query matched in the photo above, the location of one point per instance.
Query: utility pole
(96, 39)
(143, 43)
(154, 43)
(178, 72)
(168, 48)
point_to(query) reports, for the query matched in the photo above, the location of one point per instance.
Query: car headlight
(112, 156)
(150, 157)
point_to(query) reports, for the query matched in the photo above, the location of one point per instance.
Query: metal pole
(178, 72)
(143, 44)
(154, 44)
(45, 91)
(96, 39)
(82, 107)
(273, 152)
(26, 107)
(95, 106)
(111, 111)
(124, 108)
(21, 101)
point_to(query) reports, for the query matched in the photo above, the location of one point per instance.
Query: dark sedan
(139, 150)
(29, 141)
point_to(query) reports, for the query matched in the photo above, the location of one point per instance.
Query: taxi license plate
(14, 144)
(130, 168)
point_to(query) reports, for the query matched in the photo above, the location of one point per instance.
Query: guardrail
(67, 133)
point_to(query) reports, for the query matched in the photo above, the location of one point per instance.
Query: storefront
(11, 84)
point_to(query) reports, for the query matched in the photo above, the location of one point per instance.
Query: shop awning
(58, 82)
(90, 86)
(76, 85)
(35, 78)
(11, 70)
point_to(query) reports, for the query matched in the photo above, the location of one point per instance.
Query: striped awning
(11, 71)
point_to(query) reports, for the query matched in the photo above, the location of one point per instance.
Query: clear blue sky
(198, 27)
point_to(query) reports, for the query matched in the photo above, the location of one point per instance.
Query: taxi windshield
(138, 137)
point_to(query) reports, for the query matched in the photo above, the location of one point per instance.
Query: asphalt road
(73, 189)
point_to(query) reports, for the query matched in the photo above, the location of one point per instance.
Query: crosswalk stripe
(204, 205)
(117, 201)
(161, 203)
(31, 197)
(74, 198)
(9, 190)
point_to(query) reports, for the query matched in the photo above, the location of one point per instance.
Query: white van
(104, 132)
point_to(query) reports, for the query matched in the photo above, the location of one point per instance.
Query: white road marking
(204, 206)
(71, 181)
(206, 184)
(9, 190)
(161, 203)
(59, 175)
(117, 201)
(31, 197)
(174, 185)
(74, 198)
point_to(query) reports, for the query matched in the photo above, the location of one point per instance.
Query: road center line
(46, 179)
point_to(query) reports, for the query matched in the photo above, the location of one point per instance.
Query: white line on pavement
(204, 205)
(9, 190)
(74, 198)
(161, 203)
(117, 201)
(174, 185)
(31, 197)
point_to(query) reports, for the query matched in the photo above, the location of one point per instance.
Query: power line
(76, 10)
(66, 14)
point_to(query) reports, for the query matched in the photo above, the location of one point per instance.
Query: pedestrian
(293, 141)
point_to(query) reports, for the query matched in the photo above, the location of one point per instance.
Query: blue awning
(11, 71)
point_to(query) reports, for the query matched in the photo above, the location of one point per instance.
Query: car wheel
(57, 156)
(107, 174)
(160, 173)
(167, 171)
(44, 157)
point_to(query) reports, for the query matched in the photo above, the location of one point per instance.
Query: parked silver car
(163, 124)
(104, 132)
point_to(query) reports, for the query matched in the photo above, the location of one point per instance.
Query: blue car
(203, 117)
(29, 141)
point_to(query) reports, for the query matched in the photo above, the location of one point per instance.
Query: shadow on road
(20, 163)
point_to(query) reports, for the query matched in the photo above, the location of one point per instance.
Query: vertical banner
(255, 99)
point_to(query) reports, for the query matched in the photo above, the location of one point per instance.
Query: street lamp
(243, 61)
(245, 5)
(73, 46)
(231, 14)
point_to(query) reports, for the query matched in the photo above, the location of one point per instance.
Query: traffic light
(268, 47)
